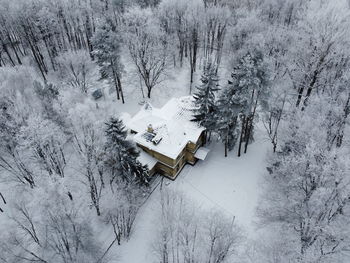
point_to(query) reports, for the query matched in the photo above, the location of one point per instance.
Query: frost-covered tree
(48, 226)
(3, 202)
(307, 188)
(107, 49)
(227, 117)
(184, 237)
(121, 154)
(121, 208)
(217, 20)
(148, 46)
(14, 110)
(88, 142)
(148, 3)
(76, 69)
(48, 98)
(12, 162)
(45, 140)
(205, 99)
(272, 118)
(319, 67)
(250, 81)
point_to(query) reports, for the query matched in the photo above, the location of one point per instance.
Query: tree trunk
(120, 88)
(1, 60)
(14, 49)
(241, 136)
(274, 146)
(115, 80)
(3, 198)
(300, 95)
(47, 45)
(250, 120)
(340, 135)
(249, 127)
(8, 54)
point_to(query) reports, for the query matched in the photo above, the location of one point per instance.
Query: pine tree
(106, 42)
(205, 99)
(122, 154)
(250, 80)
(226, 116)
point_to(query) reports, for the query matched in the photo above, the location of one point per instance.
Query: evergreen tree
(250, 81)
(122, 154)
(205, 99)
(226, 116)
(106, 42)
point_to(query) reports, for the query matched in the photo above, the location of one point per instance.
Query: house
(167, 137)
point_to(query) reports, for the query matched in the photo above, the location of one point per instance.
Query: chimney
(150, 128)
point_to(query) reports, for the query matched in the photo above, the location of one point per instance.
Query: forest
(73, 71)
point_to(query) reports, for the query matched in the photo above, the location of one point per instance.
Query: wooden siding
(152, 171)
(158, 156)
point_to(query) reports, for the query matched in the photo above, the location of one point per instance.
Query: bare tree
(272, 122)
(76, 69)
(317, 68)
(121, 205)
(59, 234)
(147, 46)
(46, 141)
(3, 200)
(188, 234)
(86, 145)
(223, 238)
(217, 20)
(307, 189)
(16, 167)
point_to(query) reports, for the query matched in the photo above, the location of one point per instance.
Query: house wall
(171, 172)
(158, 156)
(152, 171)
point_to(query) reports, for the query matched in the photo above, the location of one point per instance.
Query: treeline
(157, 35)
(295, 79)
(282, 64)
(65, 166)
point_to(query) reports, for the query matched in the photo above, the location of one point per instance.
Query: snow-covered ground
(229, 184)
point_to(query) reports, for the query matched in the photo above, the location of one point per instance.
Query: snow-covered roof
(201, 153)
(146, 159)
(171, 124)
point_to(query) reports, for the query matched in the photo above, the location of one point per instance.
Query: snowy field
(228, 184)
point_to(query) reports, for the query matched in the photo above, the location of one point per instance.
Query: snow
(146, 159)
(139, 248)
(229, 184)
(171, 123)
(202, 153)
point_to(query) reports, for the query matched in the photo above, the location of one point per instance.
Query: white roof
(147, 159)
(172, 123)
(201, 153)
